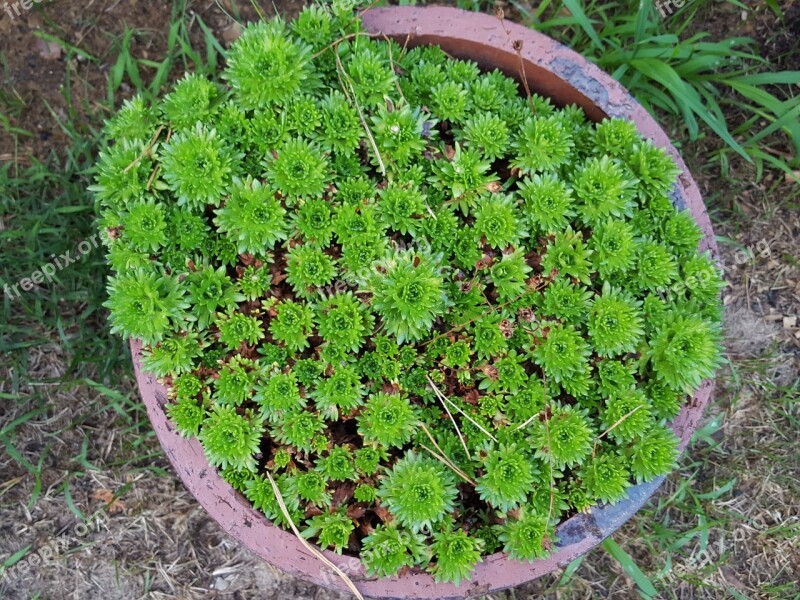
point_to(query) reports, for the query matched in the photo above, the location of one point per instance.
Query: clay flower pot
(550, 70)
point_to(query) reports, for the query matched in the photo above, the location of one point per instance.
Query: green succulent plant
(252, 217)
(173, 355)
(455, 554)
(498, 222)
(603, 191)
(653, 453)
(292, 324)
(389, 548)
(564, 439)
(489, 133)
(210, 290)
(465, 176)
(236, 328)
(135, 120)
(440, 313)
(548, 202)
(344, 320)
(332, 530)
(308, 269)
(605, 477)
(613, 248)
(568, 256)
(277, 395)
(369, 458)
(342, 389)
(235, 382)
(449, 101)
(193, 99)
(407, 293)
(146, 305)
(297, 429)
(314, 220)
(311, 486)
(507, 478)
(401, 206)
(124, 173)
(231, 439)
(626, 413)
(338, 464)
(299, 169)
(188, 415)
(267, 66)
(527, 537)
(387, 419)
(418, 491)
(399, 132)
(615, 322)
(509, 275)
(542, 144)
(199, 166)
(563, 353)
(684, 351)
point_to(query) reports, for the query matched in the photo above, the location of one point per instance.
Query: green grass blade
(646, 588)
(575, 7)
(689, 99)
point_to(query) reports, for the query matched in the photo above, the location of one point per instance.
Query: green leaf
(15, 558)
(689, 99)
(646, 587)
(575, 7)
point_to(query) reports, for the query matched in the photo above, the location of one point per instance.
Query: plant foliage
(443, 316)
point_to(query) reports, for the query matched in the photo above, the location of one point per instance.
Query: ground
(77, 444)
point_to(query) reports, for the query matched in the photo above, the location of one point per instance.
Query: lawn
(89, 505)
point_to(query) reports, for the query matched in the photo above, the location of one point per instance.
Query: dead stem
(341, 72)
(458, 431)
(622, 419)
(307, 545)
(438, 392)
(145, 150)
(443, 458)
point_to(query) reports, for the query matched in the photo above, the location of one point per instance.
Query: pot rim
(550, 69)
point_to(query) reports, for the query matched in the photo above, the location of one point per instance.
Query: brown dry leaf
(356, 511)
(391, 388)
(113, 505)
(490, 371)
(382, 513)
(472, 397)
(342, 493)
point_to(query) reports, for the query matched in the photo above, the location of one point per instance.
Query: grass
(725, 525)
(689, 76)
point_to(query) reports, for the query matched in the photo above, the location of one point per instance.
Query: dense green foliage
(346, 224)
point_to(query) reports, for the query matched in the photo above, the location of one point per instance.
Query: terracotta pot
(551, 70)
